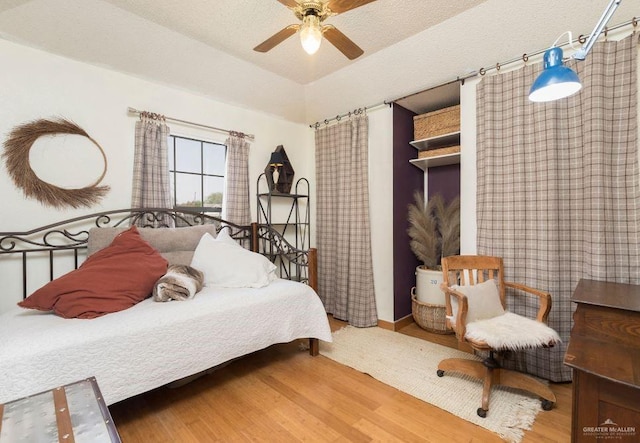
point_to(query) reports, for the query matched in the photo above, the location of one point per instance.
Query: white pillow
(483, 300)
(228, 265)
(225, 236)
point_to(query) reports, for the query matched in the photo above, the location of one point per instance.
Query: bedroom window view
(196, 168)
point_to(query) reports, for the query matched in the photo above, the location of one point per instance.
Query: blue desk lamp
(557, 80)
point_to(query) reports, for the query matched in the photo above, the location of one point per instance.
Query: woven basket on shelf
(439, 151)
(431, 124)
(429, 317)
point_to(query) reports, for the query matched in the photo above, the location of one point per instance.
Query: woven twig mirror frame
(16, 156)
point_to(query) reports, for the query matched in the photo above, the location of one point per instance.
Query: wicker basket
(439, 151)
(429, 317)
(432, 124)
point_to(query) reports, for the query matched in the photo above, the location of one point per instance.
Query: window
(197, 170)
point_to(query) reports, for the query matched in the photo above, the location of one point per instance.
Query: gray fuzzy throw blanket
(181, 282)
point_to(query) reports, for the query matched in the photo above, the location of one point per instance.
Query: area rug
(409, 364)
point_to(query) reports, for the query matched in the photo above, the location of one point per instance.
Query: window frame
(175, 171)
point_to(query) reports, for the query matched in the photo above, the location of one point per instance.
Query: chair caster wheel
(482, 412)
(440, 373)
(547, 405)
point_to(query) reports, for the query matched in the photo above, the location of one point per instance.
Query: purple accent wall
(444, 180)
(406, 179)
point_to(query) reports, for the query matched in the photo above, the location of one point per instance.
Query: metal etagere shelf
(289, 215)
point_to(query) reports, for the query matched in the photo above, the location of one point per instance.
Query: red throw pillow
(114, 278)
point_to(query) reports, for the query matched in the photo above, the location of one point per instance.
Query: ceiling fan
(312, 14)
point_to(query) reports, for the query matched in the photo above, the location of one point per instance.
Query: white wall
(468, 174)
(42, 85)
(381, 208)
(36, 84)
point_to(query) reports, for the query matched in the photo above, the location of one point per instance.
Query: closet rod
(199, 125)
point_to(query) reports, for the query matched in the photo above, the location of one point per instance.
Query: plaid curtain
(558, 186)
(151, 169)
(345, 269)
(236, 207)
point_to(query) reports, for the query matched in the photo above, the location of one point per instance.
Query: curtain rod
(482, 71)
(526, 56)
(357, 111)
(199, 125)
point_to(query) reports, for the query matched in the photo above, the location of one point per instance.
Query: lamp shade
(276, 159)
(556, 80)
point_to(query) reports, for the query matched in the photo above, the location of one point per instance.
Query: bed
(149, 344)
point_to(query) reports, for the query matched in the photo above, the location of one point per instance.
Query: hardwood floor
(282, 394)
(550, 426)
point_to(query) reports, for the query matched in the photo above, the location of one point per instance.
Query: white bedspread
(152, 344)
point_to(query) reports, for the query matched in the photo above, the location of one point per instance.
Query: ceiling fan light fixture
(311, 34)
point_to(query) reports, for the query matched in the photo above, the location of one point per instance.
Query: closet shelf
(436, 160)
(439, 141)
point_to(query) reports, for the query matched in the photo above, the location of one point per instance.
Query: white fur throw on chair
(511, 331)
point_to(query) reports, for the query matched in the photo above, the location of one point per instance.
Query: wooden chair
(465, 283)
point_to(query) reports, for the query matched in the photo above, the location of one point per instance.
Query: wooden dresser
(604, 352)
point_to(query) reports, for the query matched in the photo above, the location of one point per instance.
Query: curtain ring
(606, 31)
(482, 71)
(338, 118)
(582, 39)
(525, 58)
(634, 22)
(498, 67)
(326, 122)
(317, 125)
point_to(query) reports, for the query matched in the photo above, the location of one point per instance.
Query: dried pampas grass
(448, 217)
(423, 230)
(16, 156)
(434, 228)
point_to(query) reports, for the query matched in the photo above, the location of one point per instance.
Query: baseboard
(396, 325)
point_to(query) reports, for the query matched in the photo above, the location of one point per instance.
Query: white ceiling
(237, 26)
(205, 46)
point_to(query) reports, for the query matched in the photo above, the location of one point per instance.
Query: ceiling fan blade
(277, 38)
(289, 3)
(342, 42)
(340, 6)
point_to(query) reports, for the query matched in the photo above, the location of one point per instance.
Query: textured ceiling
(237, 26)
(205, 46)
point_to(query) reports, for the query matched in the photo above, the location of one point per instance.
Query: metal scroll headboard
(58, 248)
(66, 241)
